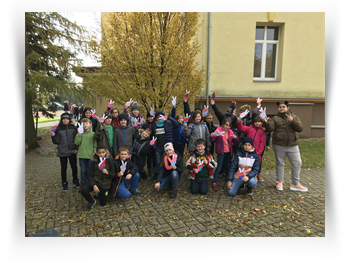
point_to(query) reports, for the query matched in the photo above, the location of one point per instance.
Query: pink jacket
(219, 143)
(257, 134)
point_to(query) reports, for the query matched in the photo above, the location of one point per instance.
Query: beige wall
(301, 66)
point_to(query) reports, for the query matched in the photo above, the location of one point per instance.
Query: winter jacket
(87, 144)
(132, 119)
(285, 133)
(219, 143)
(102, 138)
(131, 168)
(257, 134)
(124, 136)
(193, 161)
(141, 147)
(163, 172)
(95, 176)
(151, 126)
(169, 126)
(247, 160)
(179, 137)
(64, 139)
(194, 132)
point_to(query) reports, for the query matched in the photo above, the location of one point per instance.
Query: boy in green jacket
(87, 146)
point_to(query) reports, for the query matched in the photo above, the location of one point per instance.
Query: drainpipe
(208, 67)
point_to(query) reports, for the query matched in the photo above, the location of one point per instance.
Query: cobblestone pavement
(267, 212)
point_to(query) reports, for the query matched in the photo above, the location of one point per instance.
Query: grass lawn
(43, 120)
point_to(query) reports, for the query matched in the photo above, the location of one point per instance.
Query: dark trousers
(85, 191)
(139, 161)
(180, 149)
(199, 186)
(73, 164)
(151, 159)
(262, 154)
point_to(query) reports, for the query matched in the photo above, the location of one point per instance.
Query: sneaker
(136, 192)
(65, 187)
(91, 205)
(214, 187)
(249, 191)
(76, 184)
(298, 187)
(260, 177)
(173, 192)
(279, 185)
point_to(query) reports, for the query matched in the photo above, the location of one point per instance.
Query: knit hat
(135, 105)
(65, 115)
(160, 112)
(149, 115)
(248, 140)
(168, 146)
(123, 116)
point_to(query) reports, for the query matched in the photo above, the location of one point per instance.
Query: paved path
(267, 213)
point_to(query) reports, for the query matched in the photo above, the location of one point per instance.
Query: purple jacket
(219, 143)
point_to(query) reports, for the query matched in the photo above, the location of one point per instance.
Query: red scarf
(115, 122)
(168, 160)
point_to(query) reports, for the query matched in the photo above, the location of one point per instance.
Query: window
(266, 52)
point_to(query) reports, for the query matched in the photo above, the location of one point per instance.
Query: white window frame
(263, 58)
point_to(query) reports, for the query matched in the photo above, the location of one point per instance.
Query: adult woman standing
(285, 127)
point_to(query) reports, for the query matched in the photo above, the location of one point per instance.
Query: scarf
(168, 159)
(160, 123)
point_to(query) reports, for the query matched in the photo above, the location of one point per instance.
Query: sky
(88, 20)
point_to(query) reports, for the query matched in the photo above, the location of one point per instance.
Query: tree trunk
(30, 133)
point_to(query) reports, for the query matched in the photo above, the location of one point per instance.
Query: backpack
(206, 128)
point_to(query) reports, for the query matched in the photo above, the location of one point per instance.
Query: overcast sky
(90, 21)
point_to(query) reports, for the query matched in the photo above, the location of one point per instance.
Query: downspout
(208, 67)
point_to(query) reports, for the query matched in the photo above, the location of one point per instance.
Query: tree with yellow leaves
(148, 57)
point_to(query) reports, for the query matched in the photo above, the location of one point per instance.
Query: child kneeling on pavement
(170, 170)
(99, 177)
(244, 168)
(127, 173)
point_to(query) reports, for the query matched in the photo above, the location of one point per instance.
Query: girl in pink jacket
(255, 132)
(224, 139)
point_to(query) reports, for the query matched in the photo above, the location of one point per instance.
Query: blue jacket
(179, 138)
(247, 160)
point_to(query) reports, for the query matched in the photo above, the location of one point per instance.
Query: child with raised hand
(99, 177)
(199, 176)
(126, 173)
(140, 149)
(105, 134)
(179, 138)
(87, 146)
(170, 171)
(151, 155)
(208, 120)
(135, 119)
(64, 137)
(224, 139)
(244, 168)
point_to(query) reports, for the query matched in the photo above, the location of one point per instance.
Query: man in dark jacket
(63, 137)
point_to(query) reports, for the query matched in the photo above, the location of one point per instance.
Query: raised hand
(80, 128)
(127, 104)
(93, 112)
(213, 96)
(205, 110)
(187, 118)
(259, 100)
(110, 104)
(186, 94)
(174, 101)
(102, 164)
(153, 141)
(244, 114)
(163, 117)
(263, 113)
(102, 119)
(233, 103)
(152, 111)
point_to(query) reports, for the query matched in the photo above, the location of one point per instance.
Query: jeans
(85, 191)
(73, 164)
(236, 183)
(199, 186)
(180, 149)
(84, 167)
(159, 154)
(172, 179)
(123, 192)
(224, 160)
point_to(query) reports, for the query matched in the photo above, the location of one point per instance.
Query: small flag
(187, 93)
(137, 123)
(205, 110)
(259, 100)
(240, 174)
(123, 166)
(174, 101)
(163, 117)
(93, 113)
(187, 118)
(110, 104)
(173, 161)
(242, 115)
(213, 96)
(153, 141)
(54, 127)
(200, 165)
(81, 128)
(263, 113)
(233, 103)
(218, 133)
(152, 111)
(129, 102)
(102, 164)
(103, 118)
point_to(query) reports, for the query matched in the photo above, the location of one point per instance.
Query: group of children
(114, 149)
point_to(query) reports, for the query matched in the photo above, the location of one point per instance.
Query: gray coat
(200, 130)
(64, 139)
(125, 136)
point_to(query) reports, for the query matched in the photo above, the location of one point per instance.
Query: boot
(155, 176)
(260, 177)
(143, 175)
(173, 192)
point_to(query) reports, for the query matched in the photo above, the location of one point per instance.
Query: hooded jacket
(124, 136)
(219, 143)
(163, 172)
(64, 139)
(247, 160)
(199, 131)
(257, 134)
(95, 176)
(285, 133)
